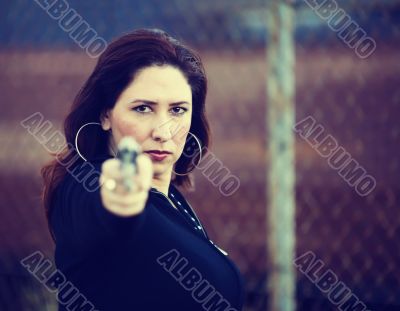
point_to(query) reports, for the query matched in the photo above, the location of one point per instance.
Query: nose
(162, 129)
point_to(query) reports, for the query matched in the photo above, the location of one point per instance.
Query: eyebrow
(149, 102)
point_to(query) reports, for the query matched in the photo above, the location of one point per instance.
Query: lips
(158, 152)
(158, 156)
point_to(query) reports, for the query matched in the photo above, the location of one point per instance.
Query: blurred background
(356, 100)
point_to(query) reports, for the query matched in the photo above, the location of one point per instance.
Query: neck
(162, 182)
(112, 149)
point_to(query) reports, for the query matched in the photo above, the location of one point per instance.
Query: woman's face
(156, 110)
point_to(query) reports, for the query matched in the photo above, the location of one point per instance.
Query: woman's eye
(146, 109)
(141, 109)
(179, 110)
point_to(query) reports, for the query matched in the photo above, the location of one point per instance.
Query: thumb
(145, 170)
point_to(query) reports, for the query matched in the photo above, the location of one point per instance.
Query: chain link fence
(352, 98)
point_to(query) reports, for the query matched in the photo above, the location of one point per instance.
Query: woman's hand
(119, 201)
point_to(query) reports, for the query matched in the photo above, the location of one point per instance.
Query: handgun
(128, 150)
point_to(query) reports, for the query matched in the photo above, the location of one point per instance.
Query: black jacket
(160, 259)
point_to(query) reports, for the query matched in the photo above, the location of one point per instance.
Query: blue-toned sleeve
(80, 218)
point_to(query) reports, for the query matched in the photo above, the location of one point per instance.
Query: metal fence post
(281, 170)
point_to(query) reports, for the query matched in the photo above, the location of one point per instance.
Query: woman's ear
(105, 121)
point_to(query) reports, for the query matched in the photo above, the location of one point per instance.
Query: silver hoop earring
(198, 142)
(76, 138)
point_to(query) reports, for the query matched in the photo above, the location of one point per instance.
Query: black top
(160, 259)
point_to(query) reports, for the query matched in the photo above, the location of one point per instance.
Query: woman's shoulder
(86, 173)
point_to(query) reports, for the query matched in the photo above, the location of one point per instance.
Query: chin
(160, 168)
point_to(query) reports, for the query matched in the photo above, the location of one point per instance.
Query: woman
(143, 248)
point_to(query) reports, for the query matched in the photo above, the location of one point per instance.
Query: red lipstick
(158, 155)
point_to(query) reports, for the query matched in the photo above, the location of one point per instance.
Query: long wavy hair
(115, 69)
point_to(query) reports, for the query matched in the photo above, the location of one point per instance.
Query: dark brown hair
(115, 69)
